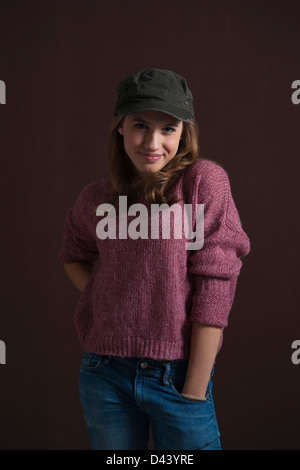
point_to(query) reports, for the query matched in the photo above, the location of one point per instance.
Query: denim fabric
(121, 396)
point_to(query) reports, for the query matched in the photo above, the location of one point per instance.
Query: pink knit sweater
(144, 294)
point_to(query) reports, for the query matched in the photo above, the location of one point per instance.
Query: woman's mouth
(151, 157)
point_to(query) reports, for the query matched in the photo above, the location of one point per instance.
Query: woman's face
(151, 139)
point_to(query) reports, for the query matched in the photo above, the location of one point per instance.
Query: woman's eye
(141, 126)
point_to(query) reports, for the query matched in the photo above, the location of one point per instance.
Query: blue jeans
(120, 397)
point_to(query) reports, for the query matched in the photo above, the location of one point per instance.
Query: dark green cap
(155, 90)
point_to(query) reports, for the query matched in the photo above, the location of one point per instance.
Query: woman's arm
(78, 273)
(204, 345)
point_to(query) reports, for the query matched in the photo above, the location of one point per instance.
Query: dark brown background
(61, 62)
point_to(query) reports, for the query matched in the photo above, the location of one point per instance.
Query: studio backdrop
(60, 63)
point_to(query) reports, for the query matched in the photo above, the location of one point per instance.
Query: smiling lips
(151, 157)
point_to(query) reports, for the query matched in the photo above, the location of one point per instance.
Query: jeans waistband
(149, 361)
(148, 366)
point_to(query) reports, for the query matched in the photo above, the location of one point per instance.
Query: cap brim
(178, 113)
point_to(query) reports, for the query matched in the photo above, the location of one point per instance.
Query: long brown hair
(125, 179)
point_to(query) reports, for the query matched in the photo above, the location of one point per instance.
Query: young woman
(153, 306)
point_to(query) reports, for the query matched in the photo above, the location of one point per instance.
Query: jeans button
(144, 365)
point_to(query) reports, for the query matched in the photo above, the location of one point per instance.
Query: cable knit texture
(144, 294)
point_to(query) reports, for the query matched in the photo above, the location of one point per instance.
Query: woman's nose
(151, 141)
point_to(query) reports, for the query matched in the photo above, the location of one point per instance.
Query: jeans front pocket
(91, 361)
(176, 381)
(176, 386)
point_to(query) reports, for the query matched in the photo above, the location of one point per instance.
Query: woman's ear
(120, 130)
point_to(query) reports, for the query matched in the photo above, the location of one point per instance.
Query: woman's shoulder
(206, 173)
(96, 191)
(204, 168)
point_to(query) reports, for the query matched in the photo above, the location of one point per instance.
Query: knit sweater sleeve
(79, 244)
(216, 266)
